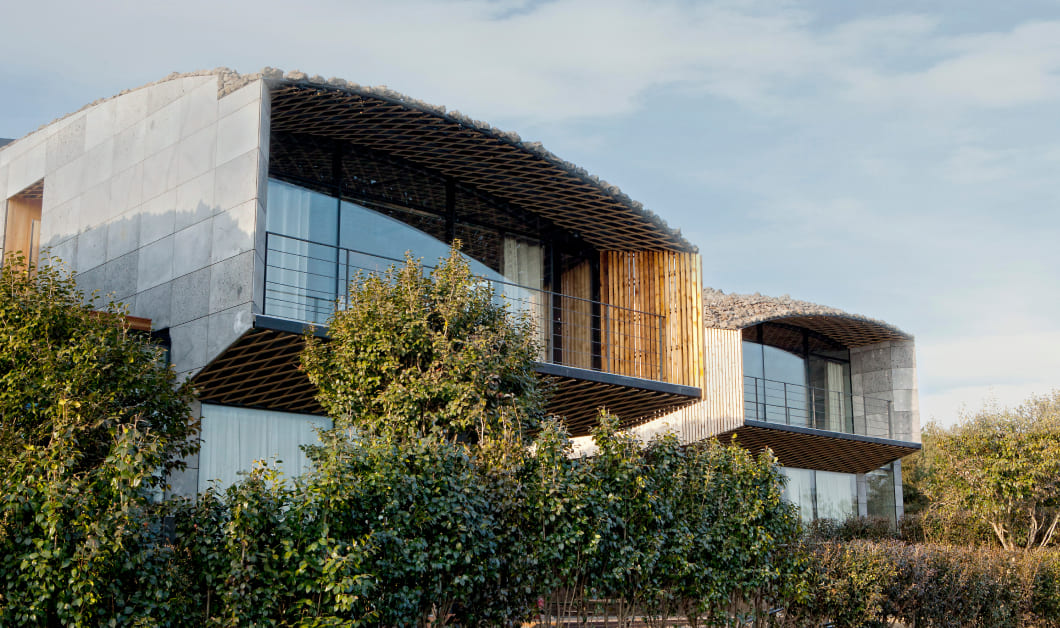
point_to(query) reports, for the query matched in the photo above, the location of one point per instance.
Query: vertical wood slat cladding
(635, 283)
(721, 409)
(576, 317)
(19, 231)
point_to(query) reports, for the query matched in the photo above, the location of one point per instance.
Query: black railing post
(787, 406)
(265, 279)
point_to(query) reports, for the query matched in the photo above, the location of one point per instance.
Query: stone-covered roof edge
(229, 81)
(737, 311)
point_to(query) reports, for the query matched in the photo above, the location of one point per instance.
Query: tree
(414, 354)
(1000, 467)
(91, 421)
(429, 380)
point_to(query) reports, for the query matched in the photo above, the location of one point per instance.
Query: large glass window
(795, 378)
(233, 438)
(821, 494)
(316, 244)
(302, 256)
(837, 495)
(881, 497)
(799, 491)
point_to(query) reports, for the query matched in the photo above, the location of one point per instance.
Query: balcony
(782, 403)
(305, 281)
(596, 354)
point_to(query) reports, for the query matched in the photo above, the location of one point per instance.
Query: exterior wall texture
(155, 198)
(887, 370)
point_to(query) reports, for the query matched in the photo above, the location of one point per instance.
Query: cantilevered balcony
(306, 281)
(596, 354)
(783, 403)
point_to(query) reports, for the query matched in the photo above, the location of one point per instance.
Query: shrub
(91, 421)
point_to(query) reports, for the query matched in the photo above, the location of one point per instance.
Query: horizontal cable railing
(805, 406)
(306, 281)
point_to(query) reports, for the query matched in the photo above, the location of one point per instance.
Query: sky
(896, 159)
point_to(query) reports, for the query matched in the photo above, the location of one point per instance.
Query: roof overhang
(808, 448)
(849, 331)
(492, 162)
(261, 370)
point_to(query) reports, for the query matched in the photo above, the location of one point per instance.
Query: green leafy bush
(91, 421)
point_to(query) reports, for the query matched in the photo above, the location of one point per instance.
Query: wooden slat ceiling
(816, 451)
(261, 371)
(579, 403)
(847, 331)
(492, 164)
(35, 191)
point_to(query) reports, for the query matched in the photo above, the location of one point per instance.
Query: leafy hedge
(865, 583)
(410, 533)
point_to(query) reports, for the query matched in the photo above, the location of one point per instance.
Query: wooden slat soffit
(495, 166)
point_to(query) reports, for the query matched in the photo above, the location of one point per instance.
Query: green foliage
(90, 422)
(413, 354)
(262, 553)
(440, 496)
(865, 583)
(658, 530)
(1000, 468)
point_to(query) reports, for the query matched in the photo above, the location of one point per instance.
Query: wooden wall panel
(576, 316)
(721, 409)
(653, 315)
(22, 231)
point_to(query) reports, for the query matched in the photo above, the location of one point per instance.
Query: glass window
(301, 258)
(830, 392)
(837, 495)
(753, 386)
(233, 438)
(799, 491)
(785, 395)
(374, 241)
(880, 496)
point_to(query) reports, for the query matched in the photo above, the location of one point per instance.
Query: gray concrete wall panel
(153, 197)
(887, 370)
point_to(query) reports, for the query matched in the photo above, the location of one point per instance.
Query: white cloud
(990, 70)
(968, 372)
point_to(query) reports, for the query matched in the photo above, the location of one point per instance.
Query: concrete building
(231, 210)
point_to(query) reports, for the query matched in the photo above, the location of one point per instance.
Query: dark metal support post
(450, 211)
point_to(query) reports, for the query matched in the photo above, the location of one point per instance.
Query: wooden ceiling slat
(506, 171)
(813, 451)
(262, 370)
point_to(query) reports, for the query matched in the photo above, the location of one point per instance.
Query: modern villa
(231, 211)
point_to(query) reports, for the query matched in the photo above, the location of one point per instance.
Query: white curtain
(233, 438)
(837, 495)
(835, 396)
(288, 276)
(799, 491)
(523, 264)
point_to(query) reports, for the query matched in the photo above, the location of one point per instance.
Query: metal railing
(306, 281)
(805, 406)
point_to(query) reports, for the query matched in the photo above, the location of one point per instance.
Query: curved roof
(739, 311)
(494, 162)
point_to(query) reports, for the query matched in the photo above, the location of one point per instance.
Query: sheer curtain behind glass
(523, 270)
(301, 270)
(799, 491)
(837, 495)
(234, 438)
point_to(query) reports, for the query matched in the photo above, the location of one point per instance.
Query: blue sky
(895, 159)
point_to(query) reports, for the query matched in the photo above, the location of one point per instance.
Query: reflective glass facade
(828, 495)
(822, 494)
(795, 378)
(317, 243)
